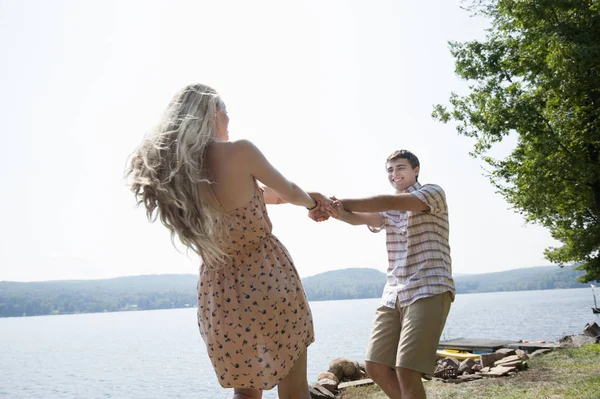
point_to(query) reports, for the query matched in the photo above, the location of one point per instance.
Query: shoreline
(564, 373)
(453, 367)
(194, 305)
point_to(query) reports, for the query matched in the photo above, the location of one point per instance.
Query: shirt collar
(412, 188)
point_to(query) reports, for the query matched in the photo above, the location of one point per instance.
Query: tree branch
(555, 16)
(561, 145)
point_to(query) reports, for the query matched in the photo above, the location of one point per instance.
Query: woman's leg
(295, 384)
(243, 393)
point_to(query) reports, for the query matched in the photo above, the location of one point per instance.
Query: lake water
(159, 354)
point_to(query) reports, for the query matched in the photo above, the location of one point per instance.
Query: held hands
(336, 209)
(326, 208)
(319, 214)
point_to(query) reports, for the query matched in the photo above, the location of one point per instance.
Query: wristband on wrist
(316, 204)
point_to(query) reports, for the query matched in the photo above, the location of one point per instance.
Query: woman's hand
(319, 212)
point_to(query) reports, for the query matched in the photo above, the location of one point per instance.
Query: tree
(537, 76)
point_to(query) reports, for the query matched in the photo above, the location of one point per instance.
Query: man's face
(401, 174)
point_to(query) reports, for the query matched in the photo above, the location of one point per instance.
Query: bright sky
(326, 89)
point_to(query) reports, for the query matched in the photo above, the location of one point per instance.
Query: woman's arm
(266, 173)
(271, 196)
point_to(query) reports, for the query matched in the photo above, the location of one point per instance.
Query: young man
(419, 288)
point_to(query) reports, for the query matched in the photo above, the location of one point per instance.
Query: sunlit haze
(326, 89)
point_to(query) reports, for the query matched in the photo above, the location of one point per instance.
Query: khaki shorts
(408, 337)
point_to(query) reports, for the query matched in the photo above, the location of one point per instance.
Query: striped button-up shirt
(418, 251)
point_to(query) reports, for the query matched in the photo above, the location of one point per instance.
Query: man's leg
(381, 351)
(422, 325)
(385, 377)
(411, 384)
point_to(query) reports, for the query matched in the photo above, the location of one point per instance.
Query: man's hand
(336, 210)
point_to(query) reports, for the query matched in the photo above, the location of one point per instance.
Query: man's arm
(337, 211)
(382, 203)
(362, 218)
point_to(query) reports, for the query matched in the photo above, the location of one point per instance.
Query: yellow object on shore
(457, 354)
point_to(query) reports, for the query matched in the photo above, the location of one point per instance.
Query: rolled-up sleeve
(384, 222)
(433, 196)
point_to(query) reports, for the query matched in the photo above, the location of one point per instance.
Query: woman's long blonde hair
(168, 171)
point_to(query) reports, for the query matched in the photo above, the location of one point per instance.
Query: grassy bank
(564, 373)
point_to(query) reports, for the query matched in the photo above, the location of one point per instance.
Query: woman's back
(233, 184)
(243, 229)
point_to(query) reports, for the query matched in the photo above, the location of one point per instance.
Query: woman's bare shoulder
(244, 149)
(227, 147)
(240, 152)
(242, 145)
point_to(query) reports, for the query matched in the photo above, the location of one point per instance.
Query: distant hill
(369, 283)
(88, 296)
(527, 279)
(179, 290)
(344, 284)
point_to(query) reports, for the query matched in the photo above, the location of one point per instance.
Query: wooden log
(366, 381)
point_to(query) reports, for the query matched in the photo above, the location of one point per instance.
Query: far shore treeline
(170, 291)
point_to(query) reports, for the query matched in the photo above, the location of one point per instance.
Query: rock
(337, 371)
(592, 330)
(466, 366)
(318, 392)
(351, 372)
(446, 370)
(508, 359)
(485, 370)
(506, 351)
(328, 375)
(363, 367)
(450, 362)
(477, 367)
(539, 352)
(444, 373)
(518, 364)
(359, 375)
(522, 354)
(488, 359)
(330, 385)
(337, 361)
(499, 371)
(348, 367)
(575, 341)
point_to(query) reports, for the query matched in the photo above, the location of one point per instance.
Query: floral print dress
(253, 313)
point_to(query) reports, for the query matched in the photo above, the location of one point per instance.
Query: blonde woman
(252, 310)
